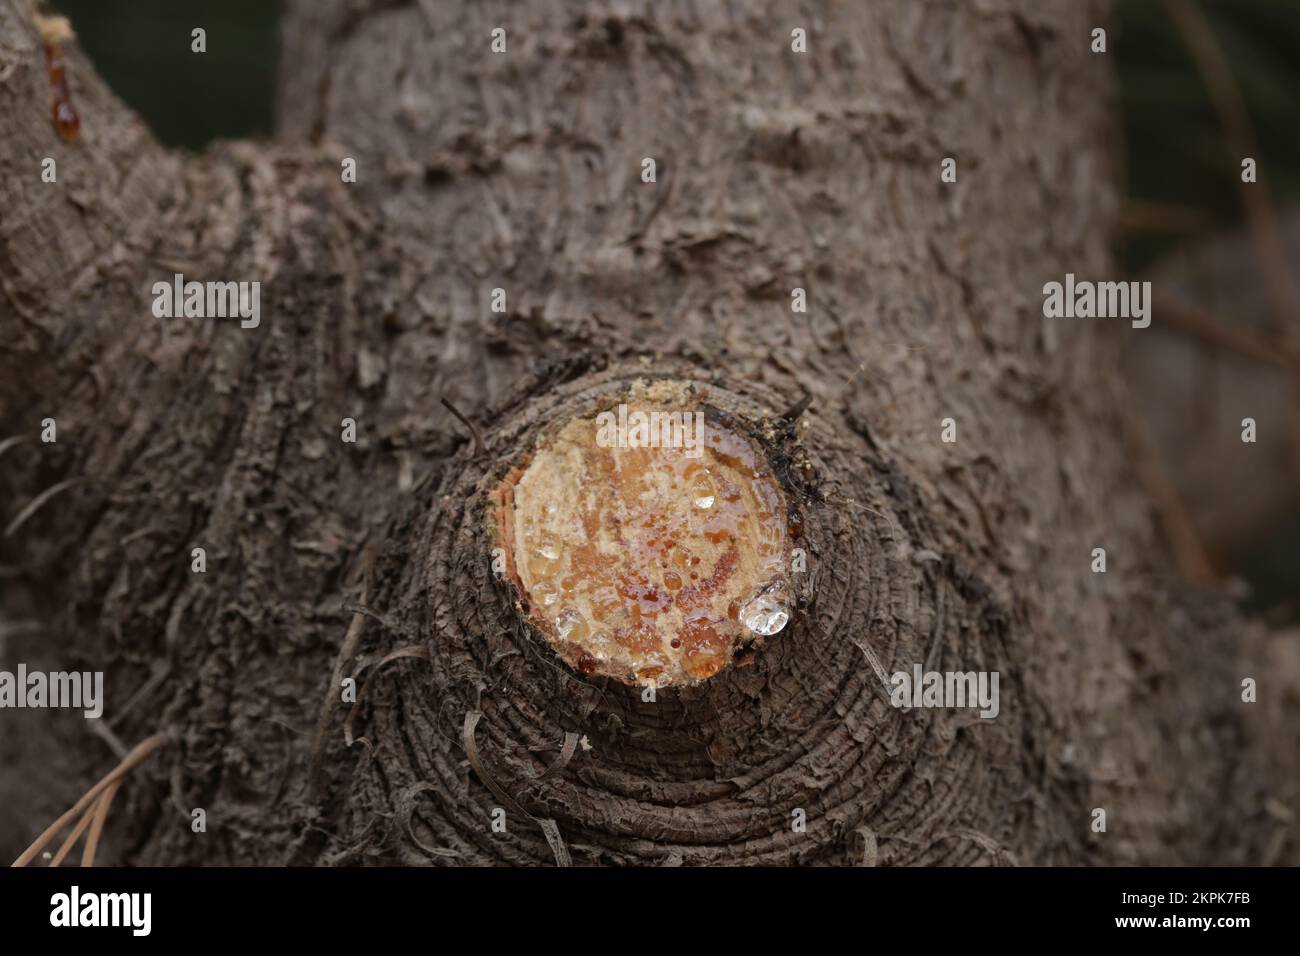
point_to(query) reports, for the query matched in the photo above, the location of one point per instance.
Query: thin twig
(1190, 320)
(351, 640)
(1212, 64)
(129, 763)
(414, 650)
(1141, 215)
(1193, 559)
(97, 825)
(37, 503)
(86, 819)
(1198, 36)
(795, 412)
(478, 442)
(101, 730)
(550, 830)
(10, 442)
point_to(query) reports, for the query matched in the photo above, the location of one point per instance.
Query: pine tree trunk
(522, 171)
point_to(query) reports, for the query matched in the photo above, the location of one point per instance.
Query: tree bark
(522, 171)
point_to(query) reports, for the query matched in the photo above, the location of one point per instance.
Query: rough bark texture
(775, 170)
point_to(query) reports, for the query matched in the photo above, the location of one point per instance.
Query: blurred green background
(1175, 150)
(142, 48)
(1181, 183)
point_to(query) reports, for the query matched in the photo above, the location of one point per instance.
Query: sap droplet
(570, 625)
(765, 614)
(703, 491)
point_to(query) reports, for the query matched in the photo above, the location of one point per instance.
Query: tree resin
(646, 560)
(55, 31)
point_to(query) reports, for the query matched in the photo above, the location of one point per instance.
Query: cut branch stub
(649, 539)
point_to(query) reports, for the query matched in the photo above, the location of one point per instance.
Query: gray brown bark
(521, 171)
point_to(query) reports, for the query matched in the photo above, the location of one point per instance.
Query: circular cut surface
(650, 564)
